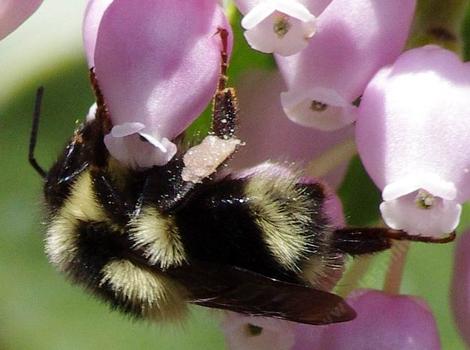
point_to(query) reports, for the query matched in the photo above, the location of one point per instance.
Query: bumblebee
(148, 242)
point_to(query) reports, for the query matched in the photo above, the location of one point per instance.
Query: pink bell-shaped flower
(383, 321)
(270, 136)
(257, 333)
(91, 22)
(460, 288)
(413, 138)
(353, 40)
(280, 26)
(15, 12)
(157, 65)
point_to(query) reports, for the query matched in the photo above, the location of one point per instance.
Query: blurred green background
(38, 308)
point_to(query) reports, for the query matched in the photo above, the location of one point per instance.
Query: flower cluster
(342, 73)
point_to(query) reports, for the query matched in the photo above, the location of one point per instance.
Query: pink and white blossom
(157, 65)
(353, 40)
(412, 136)
(280, 26)
(14, 12)
(269, 136)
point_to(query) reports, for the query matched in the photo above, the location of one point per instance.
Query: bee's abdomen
(269, 225)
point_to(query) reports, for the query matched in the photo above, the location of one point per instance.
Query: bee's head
(72, 161)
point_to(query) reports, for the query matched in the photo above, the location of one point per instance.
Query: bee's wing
(243, 291)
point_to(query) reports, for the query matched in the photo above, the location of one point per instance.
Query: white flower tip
(319, 108)
(126, 129)
(422, 213)
(429, 182)
(137, 149)
(202, 160)
(280, 27)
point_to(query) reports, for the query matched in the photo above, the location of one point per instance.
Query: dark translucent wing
(243, 291)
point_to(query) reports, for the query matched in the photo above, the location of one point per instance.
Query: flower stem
(438, 22)
(331, 159)
(396, 267)
(353, 276)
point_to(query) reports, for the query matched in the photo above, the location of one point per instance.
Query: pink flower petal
(319, 108)
(158, 63)
(257, 14)
(403, 213)
(14, 12)
(91, 22)
(126, 129)
(460, 288)
(353, 40)
(383, 322)
(429, 182)
(314, 6)
(414, 113)
(130, 144)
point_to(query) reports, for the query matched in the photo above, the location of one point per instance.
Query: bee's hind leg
(210, 156)
(368, 240)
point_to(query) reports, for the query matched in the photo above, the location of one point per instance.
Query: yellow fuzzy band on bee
(280, 210)
(62, 233)
(158, 236)
(156, 296)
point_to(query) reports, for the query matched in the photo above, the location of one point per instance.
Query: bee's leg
(225, 107)
(102, 113)
(110, 197)
(206, 159)
(367, 240)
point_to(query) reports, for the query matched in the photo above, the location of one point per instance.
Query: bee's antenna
(34, 133)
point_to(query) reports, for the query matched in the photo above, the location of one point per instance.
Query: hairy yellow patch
(281, 210)
(323, 270)
(157, 296)
(158, 236)
(62, 232)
